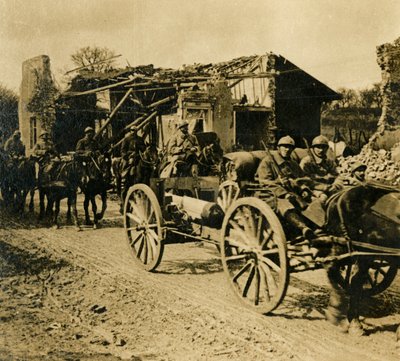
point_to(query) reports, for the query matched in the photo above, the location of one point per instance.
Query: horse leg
(94, 210)
(56, 213)
(103, 205)
(74, 211)
(69, 218)
(31, 202)
(41, 203)
(336, 312)
(86, 208)
(356, 290)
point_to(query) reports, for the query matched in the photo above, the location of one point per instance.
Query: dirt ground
(68, 295)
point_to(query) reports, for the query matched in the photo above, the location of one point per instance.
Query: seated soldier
(284, 176)
(182, 152)
(357, 175)
(14, 146)
(46, 154)
(87, 145)
(131, 147)
(320, 169)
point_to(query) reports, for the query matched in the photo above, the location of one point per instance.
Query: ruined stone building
(246, 101)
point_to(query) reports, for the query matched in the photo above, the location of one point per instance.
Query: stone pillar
(388, 57)
(30, 124)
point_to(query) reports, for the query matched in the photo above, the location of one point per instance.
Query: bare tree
(94, 59)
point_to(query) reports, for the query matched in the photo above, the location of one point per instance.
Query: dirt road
(68, 295)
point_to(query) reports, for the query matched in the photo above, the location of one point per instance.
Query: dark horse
(96, 181)
(18, 179)
(369, 216)
(59, 183)
(144, 167)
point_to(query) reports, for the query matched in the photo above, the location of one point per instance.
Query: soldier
(320, 169)
(14, 145)
(131, 147)
(284, 177)
(357, 174)
(87, 144)
(182, 147)
(47, 155)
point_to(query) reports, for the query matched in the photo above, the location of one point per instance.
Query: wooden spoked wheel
(143, 226)
(254, 254)
(228, 192)
(381, 273)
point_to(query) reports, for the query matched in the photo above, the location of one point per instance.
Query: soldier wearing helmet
(286, 180)
(44, 147)
(14, 145)
(46, 155)
(183, 147)
(87, 144)
(132, 144)
(320, 168)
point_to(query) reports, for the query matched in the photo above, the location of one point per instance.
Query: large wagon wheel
(143, 226)
(228, 192)
(254, 254)
(381, 273)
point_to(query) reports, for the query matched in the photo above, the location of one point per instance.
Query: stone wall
(30, 123)
(388, 58)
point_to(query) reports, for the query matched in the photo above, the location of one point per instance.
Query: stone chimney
(388, 133)
(30, 123)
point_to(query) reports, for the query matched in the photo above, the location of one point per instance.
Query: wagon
(256, 254)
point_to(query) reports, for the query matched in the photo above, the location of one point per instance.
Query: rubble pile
(380, 165)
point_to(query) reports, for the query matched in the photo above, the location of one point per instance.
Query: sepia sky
(333, 40)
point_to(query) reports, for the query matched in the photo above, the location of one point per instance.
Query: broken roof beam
(96, 90)
(108, 120)
(251, 75)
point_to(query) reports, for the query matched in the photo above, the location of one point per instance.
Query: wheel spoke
(242, 270)
(348, 274)
(270, 263)
(236, 243)
(139, 252)
(259, 227)
(153, 242)
(270, 251)
(257, 287)
(133, 241)
(270, 280)
(146, 249)
(267, 235)
(242, 234)
(134, 218)
(150, 215)
(150, 248)
(264, 284)
(249, 281)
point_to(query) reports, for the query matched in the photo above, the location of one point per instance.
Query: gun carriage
(257, 250)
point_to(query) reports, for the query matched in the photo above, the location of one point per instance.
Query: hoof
(95, 226)
(335, 318)
(78, 228)
(56, 226)
(88, 223)
(356, 329)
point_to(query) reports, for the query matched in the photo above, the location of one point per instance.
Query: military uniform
(182, 147)
(319, 169)
(14, 146)
(87, 145)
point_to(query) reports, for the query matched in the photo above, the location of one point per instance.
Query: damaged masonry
(266, 94)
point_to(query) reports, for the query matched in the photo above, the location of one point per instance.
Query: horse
(96, 181)
(368, 216)
(59, 183)
(19, 180)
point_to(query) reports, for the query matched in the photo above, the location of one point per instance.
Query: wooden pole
(160, 102)
(113, 113)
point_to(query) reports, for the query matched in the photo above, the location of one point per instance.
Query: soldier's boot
(297, 221)
(356, 328)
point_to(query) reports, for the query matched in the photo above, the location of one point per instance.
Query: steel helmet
(320, 140)
(183, 123)
(287, 140)
(358, 166)
(89, 130)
